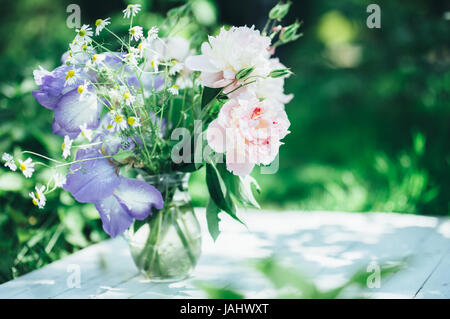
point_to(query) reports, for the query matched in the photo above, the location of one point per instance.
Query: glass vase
(167, 245)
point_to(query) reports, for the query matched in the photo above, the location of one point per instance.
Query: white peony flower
(228, 53)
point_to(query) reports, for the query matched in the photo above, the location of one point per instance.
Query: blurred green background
(370, 120)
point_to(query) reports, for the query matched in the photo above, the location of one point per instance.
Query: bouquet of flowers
(137, 116)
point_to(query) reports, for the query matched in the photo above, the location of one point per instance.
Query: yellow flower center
(153, 63)
(140, 46)
(131, 120)
(35, 202)
(175, 86)
(132, 31)
(82, 33)
(23, 167)
(80, 89)
(109, 126)
(94, 57)
(63, 146)
(84, 47)
(70, 74)
(118, 118)
(175, 61)
(98, 22)
(126, 95)
(37, 195)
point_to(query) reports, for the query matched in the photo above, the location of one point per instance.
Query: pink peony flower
(249, 131)
(228, 53)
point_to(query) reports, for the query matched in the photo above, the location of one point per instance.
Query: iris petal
(91, 180)
(71, 112)
(114, 217)
(138, 197)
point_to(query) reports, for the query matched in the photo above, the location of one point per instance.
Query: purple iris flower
(118, 199)
(70, 111)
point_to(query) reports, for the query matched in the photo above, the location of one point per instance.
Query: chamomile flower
(114, 97)
(97, 59)
(155, 63)
(66, 145)
(136, 33)
(38, 197)
(176, 68)
(132, 56)
(85, 132)
(152, 33)
(27, 167)
(119, 122)
(133, 121)
(128, 98)
(83, 90)
(71, 77)
(100, 24)
(173, 89)
(131, 10)
(84, 34)
(59, 179)
(9, 161)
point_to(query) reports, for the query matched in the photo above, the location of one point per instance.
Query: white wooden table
(329, 246)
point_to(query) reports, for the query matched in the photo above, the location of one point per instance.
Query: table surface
(327, 246)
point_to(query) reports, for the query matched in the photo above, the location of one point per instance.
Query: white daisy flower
(9, 161)
(85, 132)
(155, 63)
(152, 33)
(173, 89)
(84, 34)
(100, 24)
(71, 77)
(132, 56)
(131, 10)
(59, 179)
(66, 145)
(133, 121)
(136, 33)
(119, 122)
(83, 90)
(38, 197)
(176, 68)
(115, 97)
(27, 167)
(128, 98)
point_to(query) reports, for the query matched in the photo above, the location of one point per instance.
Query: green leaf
(208, 95)
(219, 193)
(212, 218)
(239, 186)
(215, 292)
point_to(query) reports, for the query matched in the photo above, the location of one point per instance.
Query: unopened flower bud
(244, 73)
(290, 32)
(279, 11)
(278, 73)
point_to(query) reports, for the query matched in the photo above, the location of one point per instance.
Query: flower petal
(138, 197)
(216, 136)
(114, 217)
(201, 63)
(91, 180)
(71, 113)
